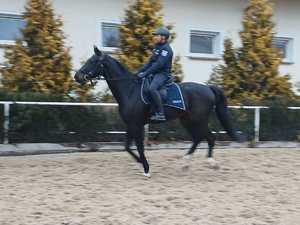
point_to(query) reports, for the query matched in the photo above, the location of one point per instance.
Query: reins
(102, 78)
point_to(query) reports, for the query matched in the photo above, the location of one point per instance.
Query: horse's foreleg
(127, 147)
(140, 147)
(139, 141)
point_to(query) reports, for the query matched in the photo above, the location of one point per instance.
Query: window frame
(289, 48)
(103, 48)
(13, 15)
(217, 44)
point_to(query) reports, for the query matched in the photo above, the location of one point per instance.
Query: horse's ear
(97, 51)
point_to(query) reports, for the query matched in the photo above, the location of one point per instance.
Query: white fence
(7, 104)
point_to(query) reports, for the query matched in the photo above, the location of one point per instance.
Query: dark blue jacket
(160, 61)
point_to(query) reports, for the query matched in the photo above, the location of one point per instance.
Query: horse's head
(92, 69)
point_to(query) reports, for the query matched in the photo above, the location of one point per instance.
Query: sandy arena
(251, 187)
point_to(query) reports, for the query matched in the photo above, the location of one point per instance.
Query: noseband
(93, 80)
(87, 77)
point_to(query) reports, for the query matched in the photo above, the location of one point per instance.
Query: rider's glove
(141, 74)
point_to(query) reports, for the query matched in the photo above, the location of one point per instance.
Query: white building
(201, 26)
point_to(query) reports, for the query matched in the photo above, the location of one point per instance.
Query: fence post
(256, 124)
(6, 123)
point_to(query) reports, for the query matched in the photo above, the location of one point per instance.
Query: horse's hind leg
(199, 133)
(193, 130)
(196, 142)
(211, 143)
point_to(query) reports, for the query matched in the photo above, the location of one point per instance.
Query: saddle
(170, 93)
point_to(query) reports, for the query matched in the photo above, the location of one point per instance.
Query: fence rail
(7, 104)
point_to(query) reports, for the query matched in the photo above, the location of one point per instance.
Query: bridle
(93, 80)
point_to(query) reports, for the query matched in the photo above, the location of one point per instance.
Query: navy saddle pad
(171, 94)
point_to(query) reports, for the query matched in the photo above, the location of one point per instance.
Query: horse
(200, 101)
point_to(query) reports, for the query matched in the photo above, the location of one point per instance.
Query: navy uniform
(159, 66)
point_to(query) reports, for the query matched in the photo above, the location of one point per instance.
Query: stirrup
(158, 117)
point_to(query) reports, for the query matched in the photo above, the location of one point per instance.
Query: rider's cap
(162, 31)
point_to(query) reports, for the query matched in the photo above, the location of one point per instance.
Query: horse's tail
(222, 112)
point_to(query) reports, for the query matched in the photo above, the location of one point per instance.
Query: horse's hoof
(185, 168)
(213, 163)
(147, 175)
(187, 157)
(186, 163)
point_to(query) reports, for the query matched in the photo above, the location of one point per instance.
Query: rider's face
(158, 39)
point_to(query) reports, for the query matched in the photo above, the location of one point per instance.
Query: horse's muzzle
(80, 78)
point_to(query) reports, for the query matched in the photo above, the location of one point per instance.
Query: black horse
(200, 101)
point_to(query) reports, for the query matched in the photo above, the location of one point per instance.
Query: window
(285, 46)
(204, 44)
(10, 26)
(110, 35)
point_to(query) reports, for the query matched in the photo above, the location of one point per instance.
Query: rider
(159, 66)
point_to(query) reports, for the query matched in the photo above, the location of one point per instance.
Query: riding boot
(159, 115)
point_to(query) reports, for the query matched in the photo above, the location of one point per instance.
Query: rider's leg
(157, 82)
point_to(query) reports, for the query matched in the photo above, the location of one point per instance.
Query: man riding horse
(200, 100)
(159, 67)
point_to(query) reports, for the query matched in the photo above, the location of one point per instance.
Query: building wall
(287, 18)
(82, 20)
(225, 17)
(212, 15)
(13, 6)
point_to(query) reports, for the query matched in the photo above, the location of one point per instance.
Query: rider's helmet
(163, 32)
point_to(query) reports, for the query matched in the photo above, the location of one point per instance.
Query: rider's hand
(141, 75)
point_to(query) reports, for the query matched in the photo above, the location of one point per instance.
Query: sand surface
(251, 187)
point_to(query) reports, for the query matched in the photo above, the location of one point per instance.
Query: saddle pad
(172, 98)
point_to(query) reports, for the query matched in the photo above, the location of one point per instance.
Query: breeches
(157, 82)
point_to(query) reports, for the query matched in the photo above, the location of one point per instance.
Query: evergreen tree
(225, 76)
(39, 62)
(251, 72)
(177, 71)
(142, 18)
(298, 89)
(18, 65)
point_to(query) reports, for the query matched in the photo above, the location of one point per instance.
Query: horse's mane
(116, 65)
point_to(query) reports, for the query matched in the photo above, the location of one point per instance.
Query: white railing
(257, 117)
(8, 103)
